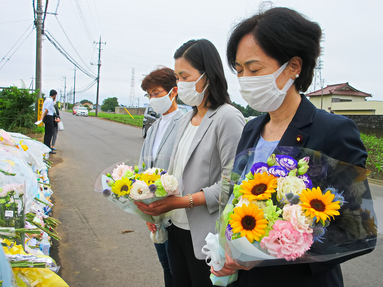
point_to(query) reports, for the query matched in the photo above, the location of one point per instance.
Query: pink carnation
(120, 171)
(286, 242)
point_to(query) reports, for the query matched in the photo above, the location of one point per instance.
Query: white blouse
(179, 217)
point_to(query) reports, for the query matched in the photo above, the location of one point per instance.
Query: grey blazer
(211, 156)
(166, 146)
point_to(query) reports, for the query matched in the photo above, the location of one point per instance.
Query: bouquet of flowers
(298, 207)
(126, 184)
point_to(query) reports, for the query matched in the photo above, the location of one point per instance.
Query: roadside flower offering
(298, 207)
(24, 213)
(123, 185)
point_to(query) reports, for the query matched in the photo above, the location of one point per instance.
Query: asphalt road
(93, 251)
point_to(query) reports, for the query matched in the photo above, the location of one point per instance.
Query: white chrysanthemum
(170, 184)
(289, 184)
(296, 216)
(140, 190)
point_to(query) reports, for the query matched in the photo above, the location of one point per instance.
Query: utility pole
(98, 73)
(39, 32)
(74, 86)
(65, 95)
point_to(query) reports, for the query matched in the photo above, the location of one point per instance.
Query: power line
(15, 21)
(82, 18)
(84, 89)
(16, 49)
(16, 42)
(66, 55)
(71, 43)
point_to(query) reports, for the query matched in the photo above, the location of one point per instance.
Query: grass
(125, 119)
(374, 146)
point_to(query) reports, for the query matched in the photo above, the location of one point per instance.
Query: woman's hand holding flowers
(229, 268)
(151, 226)
(162, 206)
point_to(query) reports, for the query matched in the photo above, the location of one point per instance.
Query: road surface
(93, 251)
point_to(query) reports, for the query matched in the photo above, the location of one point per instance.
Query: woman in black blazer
(274, 54)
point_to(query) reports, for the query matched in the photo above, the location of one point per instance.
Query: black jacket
(337, 137)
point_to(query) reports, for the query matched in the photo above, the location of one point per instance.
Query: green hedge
(374, 146)
(125, 119)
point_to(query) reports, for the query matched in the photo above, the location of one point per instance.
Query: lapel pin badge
(299, 138)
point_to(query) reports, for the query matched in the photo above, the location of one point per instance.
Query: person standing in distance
(48, 118)
(161, 88)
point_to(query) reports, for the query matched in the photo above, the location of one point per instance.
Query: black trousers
(187, 270)
(49, 127)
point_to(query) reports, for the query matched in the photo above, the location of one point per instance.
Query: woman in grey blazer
(161, 88)
(203, 153)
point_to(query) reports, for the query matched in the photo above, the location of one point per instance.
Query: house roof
(339, 89)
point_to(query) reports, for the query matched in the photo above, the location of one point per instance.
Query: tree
(16, 108)
(86, 101)
(248, 111)
(109, 104)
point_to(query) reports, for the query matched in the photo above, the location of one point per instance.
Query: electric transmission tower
(318, 81)
(132, 94)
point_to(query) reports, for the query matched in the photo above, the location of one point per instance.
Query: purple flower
(278, 171)
(286, 161)
(317, 169)
(229, 232)
(259, 167)
(306, 180)
(152, 188)
(162, 172)
(106, 192)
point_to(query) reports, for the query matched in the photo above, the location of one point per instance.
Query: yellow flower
(318, 204)
(249, 221)
(148, 178)
(122, 187)
(259, 188)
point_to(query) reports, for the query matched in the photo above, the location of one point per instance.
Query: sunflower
(249, 221)
(319, 205)
(122, 187)
(148, 178)
(259, 188)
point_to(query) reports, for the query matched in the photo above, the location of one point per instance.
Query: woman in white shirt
(202, 155)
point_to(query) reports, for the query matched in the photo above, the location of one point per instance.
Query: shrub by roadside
(374, 146)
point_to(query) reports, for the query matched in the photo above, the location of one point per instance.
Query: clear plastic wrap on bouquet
(123, 185)
(300, 206)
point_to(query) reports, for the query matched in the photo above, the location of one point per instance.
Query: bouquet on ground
(298, 207)
(126, 184)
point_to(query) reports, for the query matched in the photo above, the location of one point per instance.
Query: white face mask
(163, 104)
(188, 93)
(262, 92)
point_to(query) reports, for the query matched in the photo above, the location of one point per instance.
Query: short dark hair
(203, 56)
(52, 93)
(161, 77)
(282, 34)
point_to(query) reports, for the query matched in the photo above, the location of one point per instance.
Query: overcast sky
(145, 34)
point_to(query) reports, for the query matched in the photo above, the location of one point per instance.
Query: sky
(143, 35)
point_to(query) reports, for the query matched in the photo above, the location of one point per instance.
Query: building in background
(345, 100)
